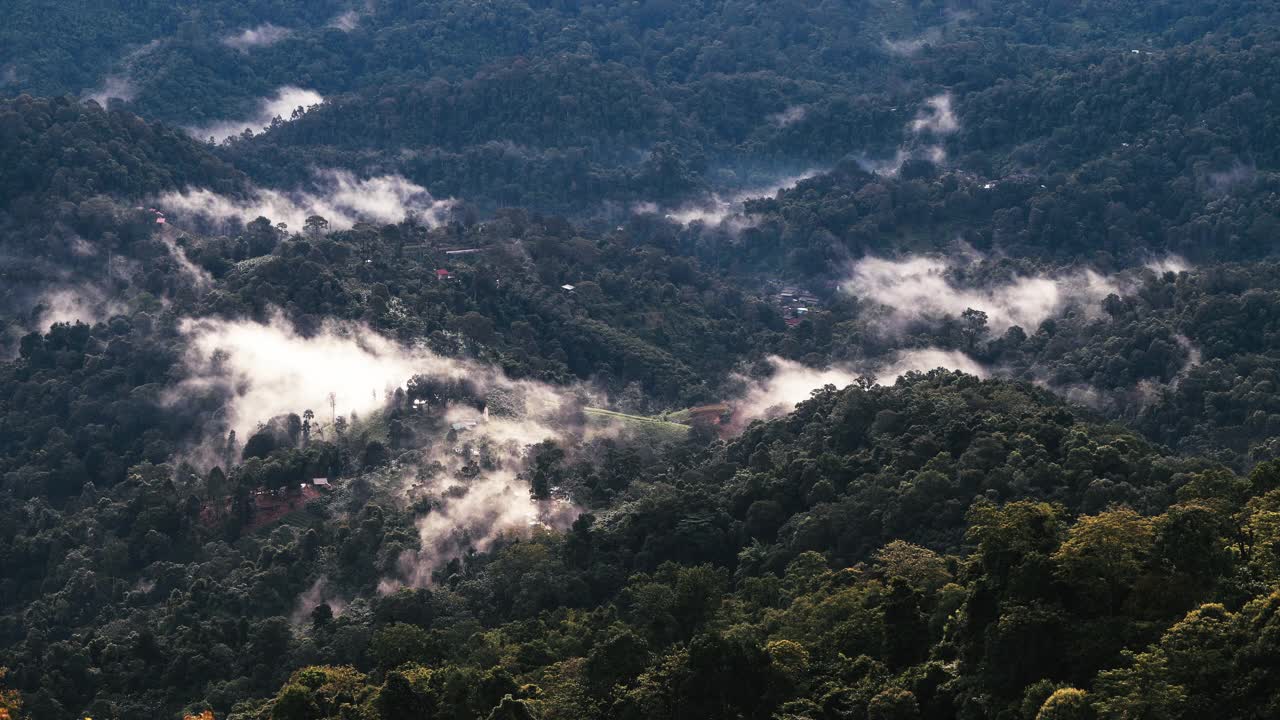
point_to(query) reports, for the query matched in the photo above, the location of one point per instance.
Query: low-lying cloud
(787, 385)
(196, 275)
(935, 119)
(336, 195)
(266, 369)
(920, 288)
(885, 167)
(923, 360)
(1225, 181)
(475, 479)
(907, 47)
(728, 207)
(1126, 401)
(346, 22)
(286, 101)
(472, 515)
(1168, 263)
(936, 116)
(269, 369)
(790, 116)
(119, 87)
(790, 383)
(469, 472)
(319, 593)
(260, 36)
(83, 303)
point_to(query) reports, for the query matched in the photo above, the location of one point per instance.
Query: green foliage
(943, 547)
(1102, 555)
(1066, 704)
(399, 644)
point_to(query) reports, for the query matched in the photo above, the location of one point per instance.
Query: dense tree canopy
(581, 259)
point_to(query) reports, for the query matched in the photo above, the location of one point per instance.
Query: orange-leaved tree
(10, 700)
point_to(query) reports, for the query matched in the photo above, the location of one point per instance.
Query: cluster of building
(795, 304)
(268, 505)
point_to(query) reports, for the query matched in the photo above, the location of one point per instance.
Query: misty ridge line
(920, 290)
(266, 369)
(725, 209)
(242, 359)
(923, 290)
(339, 196)
(926, 288)
(262, 370)
(914, 289)
(288, 103)
(790, 383)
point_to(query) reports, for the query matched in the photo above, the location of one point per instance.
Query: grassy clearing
(638, 422)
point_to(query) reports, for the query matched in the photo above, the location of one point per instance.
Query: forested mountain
(557, 360)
